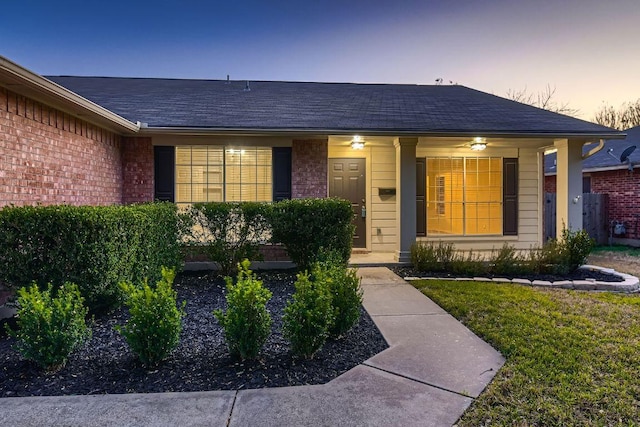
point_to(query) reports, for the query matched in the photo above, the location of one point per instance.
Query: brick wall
(623, 189)
(50, 157)
(309, 168)
(137, 170)
(550, 184)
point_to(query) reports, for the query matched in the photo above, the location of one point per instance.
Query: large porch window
(216, 174)
(464, 196)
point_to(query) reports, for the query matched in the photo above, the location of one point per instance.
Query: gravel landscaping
(201, 362)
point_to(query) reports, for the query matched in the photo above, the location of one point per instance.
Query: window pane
(216, 173)
(464, 195)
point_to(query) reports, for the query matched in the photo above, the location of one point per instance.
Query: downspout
(594, 150)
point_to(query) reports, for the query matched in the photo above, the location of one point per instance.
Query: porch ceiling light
(478, 144)
(357, 143)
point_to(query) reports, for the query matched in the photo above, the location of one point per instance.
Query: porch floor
(372, 259)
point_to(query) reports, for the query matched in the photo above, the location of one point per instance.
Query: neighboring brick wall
(309, 168)
(50, 157)
(550, 184)
(623, 188)
(137, 170)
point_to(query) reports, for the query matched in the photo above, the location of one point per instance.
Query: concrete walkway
(429, 375)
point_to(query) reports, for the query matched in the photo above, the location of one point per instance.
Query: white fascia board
(20, 80)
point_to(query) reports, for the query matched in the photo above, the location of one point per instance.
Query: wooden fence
(594, 216)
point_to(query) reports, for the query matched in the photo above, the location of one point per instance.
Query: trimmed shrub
(246, 322)
(346, 293)
(50, 327)
(305, 226)
(96, 247)
(153, 330)
(228, 232)
(308, 316)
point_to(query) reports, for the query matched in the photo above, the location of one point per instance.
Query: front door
(347, 181)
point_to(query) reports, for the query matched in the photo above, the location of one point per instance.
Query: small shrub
(429, 256)
(346, 293)
(564, 255)
(507, 261)
(308, 316)
(471, 264)
(153, 330)
(50, 328)
(247, 322)
(578, 245)
(424, 258)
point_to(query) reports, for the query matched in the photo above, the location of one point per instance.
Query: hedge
(306, 226)
(95, 247)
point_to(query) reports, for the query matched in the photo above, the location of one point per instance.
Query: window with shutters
(218, 174)
(464, 196)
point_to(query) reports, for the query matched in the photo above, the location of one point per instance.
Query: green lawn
(618, 249)
(572, 358)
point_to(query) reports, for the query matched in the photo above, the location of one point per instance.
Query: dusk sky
(589, 50)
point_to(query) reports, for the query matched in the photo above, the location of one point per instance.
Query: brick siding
(137, 170)
(309, 168)
(50, 157)
(550, 184)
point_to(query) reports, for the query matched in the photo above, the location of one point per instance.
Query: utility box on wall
(386, 191)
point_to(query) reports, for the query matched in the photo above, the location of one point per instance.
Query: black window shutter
(281, 163)
(510, 197)
(421, 197)
(164, 160)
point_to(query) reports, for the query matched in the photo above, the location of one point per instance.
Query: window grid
(465, 197)
(216, 173)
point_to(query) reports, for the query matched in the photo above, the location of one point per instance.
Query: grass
(572, 358)
(618, 249)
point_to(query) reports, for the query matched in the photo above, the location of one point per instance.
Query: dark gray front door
(347, 181)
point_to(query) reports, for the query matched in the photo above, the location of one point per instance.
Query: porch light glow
(357, 143)
(478, 144)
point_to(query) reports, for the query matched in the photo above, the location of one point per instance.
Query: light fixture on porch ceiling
(357, 143)
(478, 144)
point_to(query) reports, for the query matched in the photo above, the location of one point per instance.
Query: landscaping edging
(630, 284)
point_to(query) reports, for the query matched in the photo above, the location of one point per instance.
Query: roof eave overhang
(374, 132)
(602, 169)
(29, 84)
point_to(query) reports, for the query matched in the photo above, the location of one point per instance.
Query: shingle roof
(272, 105)
(602, 159)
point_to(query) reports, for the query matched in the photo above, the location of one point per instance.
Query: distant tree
(625, 117)
(544, 99)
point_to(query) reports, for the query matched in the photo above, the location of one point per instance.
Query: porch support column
(568, 184)
(405, 197)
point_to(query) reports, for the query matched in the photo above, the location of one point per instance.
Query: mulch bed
(580, 274)
(201, 362)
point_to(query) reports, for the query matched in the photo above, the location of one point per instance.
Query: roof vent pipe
(227, 79)
(247, 88)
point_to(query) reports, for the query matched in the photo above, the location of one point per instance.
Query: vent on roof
(228, 81)
(247, 88)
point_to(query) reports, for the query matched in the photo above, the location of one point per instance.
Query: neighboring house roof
(602, 160)
(327, 107)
